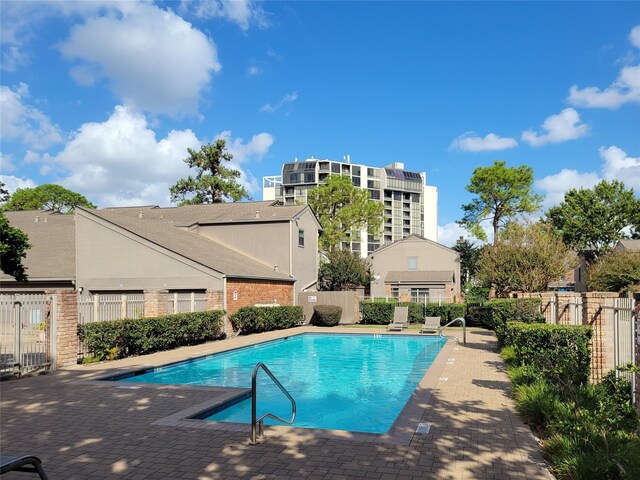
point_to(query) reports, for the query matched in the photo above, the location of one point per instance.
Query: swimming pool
(354, 382)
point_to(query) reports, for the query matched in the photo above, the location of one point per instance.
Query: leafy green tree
(343, 270)
(13, 244)
(615, 272)
(469, 255)
(595, 218)
(502, 194)
(46, 197)
(525, 259)
(343, 210)
(214, 182)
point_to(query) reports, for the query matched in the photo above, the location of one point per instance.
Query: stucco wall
(108, 258)
(431, 257)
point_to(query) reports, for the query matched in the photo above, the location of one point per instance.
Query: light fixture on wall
(80, 289)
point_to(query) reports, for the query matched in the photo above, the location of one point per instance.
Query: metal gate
(624, 337)
(25, 332)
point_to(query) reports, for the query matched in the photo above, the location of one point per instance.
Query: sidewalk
(83, 429)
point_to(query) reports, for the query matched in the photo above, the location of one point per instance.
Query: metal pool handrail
(464, 329)
(257, 424)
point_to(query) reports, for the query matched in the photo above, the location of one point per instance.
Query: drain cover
(423, 428)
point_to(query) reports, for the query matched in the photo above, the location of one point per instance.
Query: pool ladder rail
(464, 330)
(257, 423)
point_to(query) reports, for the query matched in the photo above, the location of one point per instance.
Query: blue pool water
(340, 382)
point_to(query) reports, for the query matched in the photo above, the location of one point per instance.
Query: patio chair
(431, 326)
(400, 319)
(24, 463)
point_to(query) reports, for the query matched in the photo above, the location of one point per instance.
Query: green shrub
(265, 319)
(377, 313)
(560, 352)
(495, 314)
(524, 375)
(326, 315)
(121, 338)
(538, 403)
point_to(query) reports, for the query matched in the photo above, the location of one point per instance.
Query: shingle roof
(419, 276)
(163, 232)
(267, 211)
(630, 245)
(53, 243)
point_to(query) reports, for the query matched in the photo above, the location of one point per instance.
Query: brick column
(638, 364)
(155, 303)
(66, 314)
(592, 314)
(214, 300)
(564, 309)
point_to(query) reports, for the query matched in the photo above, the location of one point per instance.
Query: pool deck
(81, 428)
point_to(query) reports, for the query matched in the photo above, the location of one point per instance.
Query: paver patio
(82, 429)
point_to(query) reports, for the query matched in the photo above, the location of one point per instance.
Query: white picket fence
(102, 307)
(185, 302)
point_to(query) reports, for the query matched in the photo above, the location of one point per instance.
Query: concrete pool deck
(84, 429)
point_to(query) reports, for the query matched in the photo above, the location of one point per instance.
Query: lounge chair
(24, 463)
(400, 319)
(431, 326)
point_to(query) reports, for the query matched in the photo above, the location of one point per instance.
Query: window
(301, 238)
(395, 292)
(419, 295)
(412, 264)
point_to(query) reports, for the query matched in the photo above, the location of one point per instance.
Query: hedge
(495, 314)
(560, 352)
(326, 315)
(121, 338)
(377, 313)
(265, 319)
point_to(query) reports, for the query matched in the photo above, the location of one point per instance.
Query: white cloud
(153, 59)
(469, 142)
(13, 183)
(6, 163)
(122, 162)
(626, 89)
(558, 128)
(555, 186)
(619, 166)
(634, 36)
(288, 98)
(24, 123)
(254, 71)
(242, 12)
(449, 234)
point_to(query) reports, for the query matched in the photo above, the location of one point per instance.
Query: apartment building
(410, 205)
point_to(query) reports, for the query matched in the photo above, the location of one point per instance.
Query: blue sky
(105, 97)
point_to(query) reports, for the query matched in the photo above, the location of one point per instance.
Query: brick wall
(593, 315)
(66, 305)
(155, 303)
(214, 300)
(246, 293)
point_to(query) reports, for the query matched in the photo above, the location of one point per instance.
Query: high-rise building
(410, 205)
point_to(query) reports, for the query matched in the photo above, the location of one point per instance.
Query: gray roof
(419, 276)
(163, 232)
(408, 238)
(53, 244)
(629, 245)
(227, 212)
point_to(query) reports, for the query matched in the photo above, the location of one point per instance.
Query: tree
(343, 210)
(525, 259)
(214, 182)
(46, 197)
(616, 272)
(343, 270)
(595, 219)
(503, 193)
(13, 245)
(469, 255)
